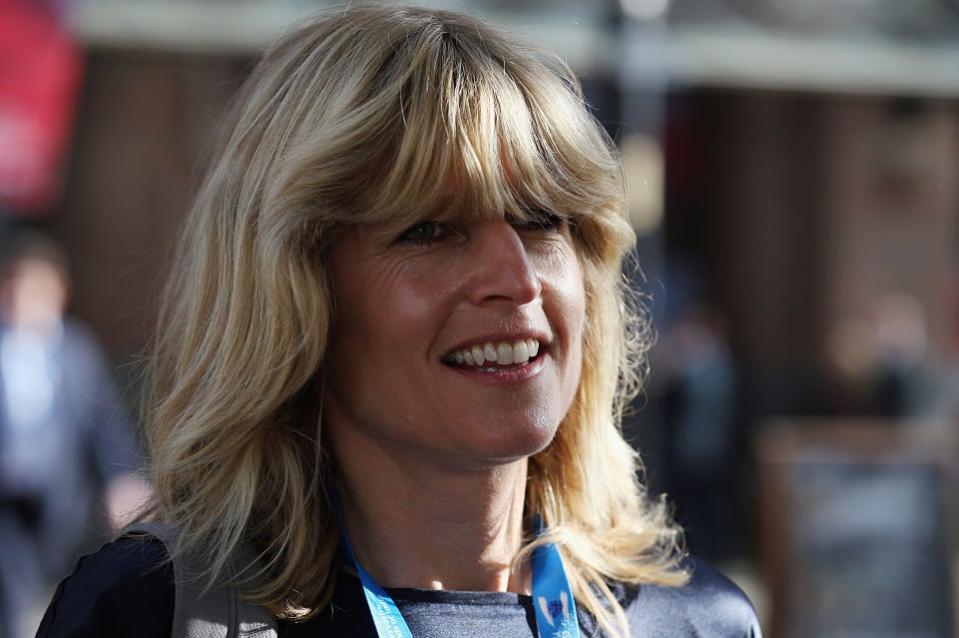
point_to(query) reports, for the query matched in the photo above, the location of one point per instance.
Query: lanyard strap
(386, 616)
(552, 596)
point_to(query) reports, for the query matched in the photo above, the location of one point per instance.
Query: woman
(397, 344)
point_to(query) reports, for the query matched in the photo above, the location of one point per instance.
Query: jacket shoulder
(126, 588)
(709, 605)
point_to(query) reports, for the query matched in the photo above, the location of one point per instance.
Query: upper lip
(509, 337)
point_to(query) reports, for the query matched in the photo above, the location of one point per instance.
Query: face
(34, 295)
(460, 342)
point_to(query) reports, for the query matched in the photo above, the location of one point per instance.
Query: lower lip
(504, 376)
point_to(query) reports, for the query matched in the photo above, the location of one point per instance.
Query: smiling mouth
(494, 356)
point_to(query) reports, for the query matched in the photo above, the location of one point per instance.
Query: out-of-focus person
(883, 365)
(702, 446)
(64, 433)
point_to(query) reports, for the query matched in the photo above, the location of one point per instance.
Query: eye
(422, 233)
(541, 220)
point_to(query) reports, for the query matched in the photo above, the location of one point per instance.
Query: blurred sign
(857, 529)
(39, 75)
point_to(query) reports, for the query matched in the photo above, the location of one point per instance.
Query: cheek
(385, 319)
(364, 333)
(567, 312)
(577, 320)
(564, 279)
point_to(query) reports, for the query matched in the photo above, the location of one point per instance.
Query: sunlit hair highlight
(384, 116)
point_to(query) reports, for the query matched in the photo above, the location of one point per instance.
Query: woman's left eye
(422, 233)
(541, 220)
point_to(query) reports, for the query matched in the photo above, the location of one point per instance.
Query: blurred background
(793, 170)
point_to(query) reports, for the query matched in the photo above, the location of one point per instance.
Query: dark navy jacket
(125, 590)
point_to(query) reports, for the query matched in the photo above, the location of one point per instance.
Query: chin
(503, 441)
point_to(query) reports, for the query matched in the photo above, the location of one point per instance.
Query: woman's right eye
(422, 233)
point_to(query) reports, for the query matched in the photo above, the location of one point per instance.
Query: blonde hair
(388, 116)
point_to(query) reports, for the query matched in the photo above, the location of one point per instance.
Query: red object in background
(39, 76)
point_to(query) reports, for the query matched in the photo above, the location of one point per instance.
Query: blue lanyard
(552, 595)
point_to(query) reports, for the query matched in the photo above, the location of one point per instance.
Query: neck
(413, 524)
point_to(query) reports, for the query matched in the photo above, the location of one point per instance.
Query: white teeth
(520, 352)
(533, 345)
(502, 353)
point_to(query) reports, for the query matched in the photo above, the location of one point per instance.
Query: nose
(499, 267)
